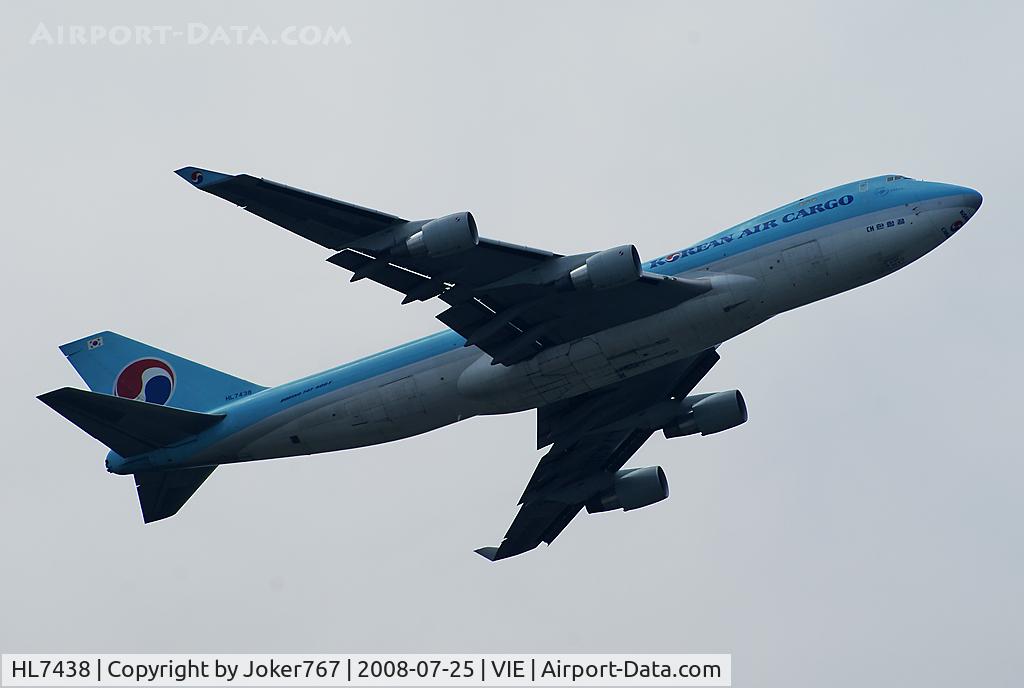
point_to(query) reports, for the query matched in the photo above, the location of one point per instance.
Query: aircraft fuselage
(802, 252)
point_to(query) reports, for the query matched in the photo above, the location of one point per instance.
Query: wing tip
(488, 553)
(51, 397)
(197, 176)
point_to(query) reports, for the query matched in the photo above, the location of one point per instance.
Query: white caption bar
(366, 670)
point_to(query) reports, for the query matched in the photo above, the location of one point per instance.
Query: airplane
(606, 348)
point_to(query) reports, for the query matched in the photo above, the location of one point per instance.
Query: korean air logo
(147, 379)
(197, 177)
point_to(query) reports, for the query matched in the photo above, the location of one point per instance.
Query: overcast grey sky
(866, 519)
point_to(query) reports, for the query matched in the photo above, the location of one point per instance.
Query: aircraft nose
(971, 198)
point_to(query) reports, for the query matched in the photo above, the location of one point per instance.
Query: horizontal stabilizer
(127, 426)
(163, 494)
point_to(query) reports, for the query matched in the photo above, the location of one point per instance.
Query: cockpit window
(894, 177)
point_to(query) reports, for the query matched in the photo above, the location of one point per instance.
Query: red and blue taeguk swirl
(147, 379)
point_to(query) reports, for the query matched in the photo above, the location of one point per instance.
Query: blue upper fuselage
(810, 213)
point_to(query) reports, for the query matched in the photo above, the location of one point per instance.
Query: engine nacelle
(614, 267)
(633, 488)
(709, 414)
(444, 236)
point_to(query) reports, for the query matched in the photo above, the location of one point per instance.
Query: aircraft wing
(591, 436)
(329, 223)
(511, 301)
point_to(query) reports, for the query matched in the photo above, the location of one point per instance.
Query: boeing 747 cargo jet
(606, 348)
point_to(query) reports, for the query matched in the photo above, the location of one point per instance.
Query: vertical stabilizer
(112, 364)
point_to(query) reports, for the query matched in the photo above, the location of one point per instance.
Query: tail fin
(112, 364)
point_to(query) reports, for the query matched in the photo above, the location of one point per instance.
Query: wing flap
(378, 270)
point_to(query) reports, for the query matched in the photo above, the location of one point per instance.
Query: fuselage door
(805, 265)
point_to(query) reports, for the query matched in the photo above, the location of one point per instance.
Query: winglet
(202, 178)
(489, 553)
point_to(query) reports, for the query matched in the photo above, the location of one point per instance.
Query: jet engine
(632, 488)
(614, 267)
(709, 413)
(444, 236)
